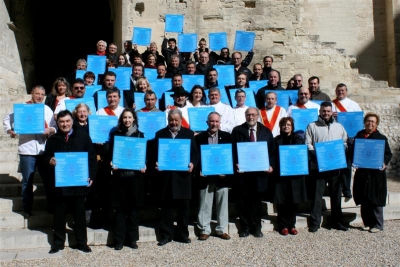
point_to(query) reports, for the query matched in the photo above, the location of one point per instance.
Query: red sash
(45, 123)
(109, 111)
(184, 122)
(299, 105)
(145, 110)
(339, 105)
(270, 124)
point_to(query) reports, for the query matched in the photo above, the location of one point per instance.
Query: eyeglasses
(297, 80)
(79, 87)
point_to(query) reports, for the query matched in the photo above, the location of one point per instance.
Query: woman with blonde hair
(60, 90)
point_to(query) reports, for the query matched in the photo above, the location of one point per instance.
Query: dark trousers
(126, 225)
(167, 218)
(319, 180)
(62, 204)
(346, 179)
(249, 205)
(372, 215)
(286, 215)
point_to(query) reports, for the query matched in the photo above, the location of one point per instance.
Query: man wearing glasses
(298, 82)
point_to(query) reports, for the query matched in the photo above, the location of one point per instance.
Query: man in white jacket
(226, 112)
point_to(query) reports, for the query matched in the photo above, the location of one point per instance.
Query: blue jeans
(27, 165)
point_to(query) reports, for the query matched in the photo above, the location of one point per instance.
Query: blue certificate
(173, 23)
(216, 159)
(123, 80)
(198, 117)
(96, 64)
(282, 97)
(102, 99)
(159, 86)
(169, 100)
(330, 155)
(100, 127)
(250, 100)
(224, 96)
(72, 169)
(70, 104)
(293, 96)
(244, 41)
(79, 74)
(187, 42)
(253, 156)
(317, 101)
(293, 160)
(351, 121)
(217, 40)
(173, 154)
(368, 153)
(256, 85)
(150, 74)
(150, 123)
(138, 99)
(303, 116)
(226, 74)
(91, 89)
(129, 153)
(141, 36)
(29, 118)
(191, 80)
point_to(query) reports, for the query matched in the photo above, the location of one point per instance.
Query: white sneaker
(365, 228)
(375, 230)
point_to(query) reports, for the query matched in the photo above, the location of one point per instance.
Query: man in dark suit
(214, 183)
(176, 185)
(250, 185)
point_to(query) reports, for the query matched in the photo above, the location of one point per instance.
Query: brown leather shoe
(203, 237)
(224, 236)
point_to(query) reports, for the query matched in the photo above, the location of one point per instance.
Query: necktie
(66, 138)
(252, 139)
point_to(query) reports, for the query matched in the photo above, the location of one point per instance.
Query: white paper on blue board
(257, 85)
(253, 156)
(282, 97)
(330, 155)
(79, 74)
(138, 99)
(29, 119)
(72, 169)
(100, 127)
(70, 104)
(129, 153)
(173, 154)
(250, 100)
(226, 74)
(368, 153)
(187, 42)
(96, 64)
(91, 89)
(293, 160)
(216, 159)
(304, 116)
(244, 41)
(353, 122)
(123, 80)
(198, 117)
(150, 123)
(191, 80)
(217, 40)
(141, 36)
(102, 99)
(174, 23)
(150, 74)
(224, 97)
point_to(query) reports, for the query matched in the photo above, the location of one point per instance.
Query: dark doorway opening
(65, 31)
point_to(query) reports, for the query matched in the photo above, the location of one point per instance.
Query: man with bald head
(303, 102)
(273, 84)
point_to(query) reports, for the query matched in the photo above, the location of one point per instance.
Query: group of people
(67, 131)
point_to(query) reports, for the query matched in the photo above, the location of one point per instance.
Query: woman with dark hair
(89, 78)
(122, 61)
(290, 83)
(370, 185)
(289, 190)
(197, 97)
(127, 187)
(60, 90)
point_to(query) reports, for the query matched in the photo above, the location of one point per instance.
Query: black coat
(180, 182)
(241, 134)
(127, 185)
(202, 139)
(78, 141)
(51, 101)
(260, 96)
(371, 185)
(288, 189)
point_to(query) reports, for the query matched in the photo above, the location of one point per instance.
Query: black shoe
(184, 240)
(244, 233)
(313, 229)
(84, 248)
(164, 242)
(55, 249)
(133, 245)
(118, 246)
(340, 227)
(257, 234)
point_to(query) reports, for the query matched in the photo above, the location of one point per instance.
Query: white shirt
(117, 111)
(282, 113)
(239, 115)
(348, 104)
(200, 104)
(227, 116)
(30, 144)
(309, 104)
(61, 105)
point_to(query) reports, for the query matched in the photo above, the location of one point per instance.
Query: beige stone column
(393, 41)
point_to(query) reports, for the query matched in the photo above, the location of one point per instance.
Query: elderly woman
(127, 187)
(80, 115)
(60, 90)
(370, 185)
(289, 190)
